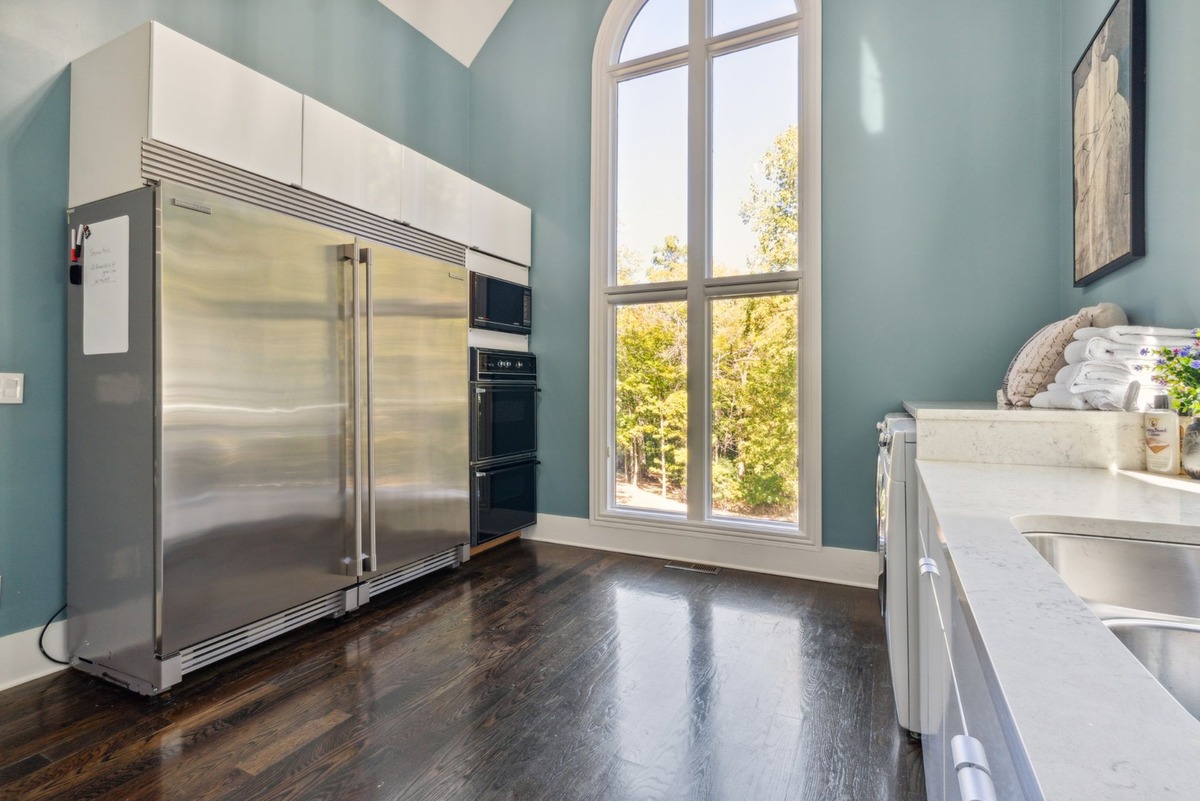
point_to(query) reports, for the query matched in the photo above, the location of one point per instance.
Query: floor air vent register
(693, 567)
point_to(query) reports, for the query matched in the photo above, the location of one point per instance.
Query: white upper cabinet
(500, 226)
(347, 161)
(208, 103)
(435, 198)
(153, 83)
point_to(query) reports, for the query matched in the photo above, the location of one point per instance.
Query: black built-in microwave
(500, 305)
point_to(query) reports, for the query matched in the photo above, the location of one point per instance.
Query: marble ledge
(981, 433)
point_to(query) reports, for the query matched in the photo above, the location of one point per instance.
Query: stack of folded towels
(1103, 362)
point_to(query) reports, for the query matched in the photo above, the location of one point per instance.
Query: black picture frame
(1108, 145)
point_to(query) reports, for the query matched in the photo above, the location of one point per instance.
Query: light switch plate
(12, 387)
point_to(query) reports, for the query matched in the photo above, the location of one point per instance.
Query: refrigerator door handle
(350, 253)
(371, 560)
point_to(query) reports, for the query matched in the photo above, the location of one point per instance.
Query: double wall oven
(504, 397)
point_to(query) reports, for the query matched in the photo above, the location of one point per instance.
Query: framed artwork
(1108, 142)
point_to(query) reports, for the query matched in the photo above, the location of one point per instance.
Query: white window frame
(606, 295)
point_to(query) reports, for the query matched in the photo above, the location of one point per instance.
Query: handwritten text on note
(106, 287)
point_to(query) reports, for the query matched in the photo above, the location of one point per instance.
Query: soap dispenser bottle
(1162, 437)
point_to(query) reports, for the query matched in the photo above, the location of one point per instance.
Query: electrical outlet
(12, 387)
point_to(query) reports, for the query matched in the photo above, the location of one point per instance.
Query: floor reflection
(702, 686)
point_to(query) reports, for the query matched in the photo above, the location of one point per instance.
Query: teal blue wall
(1160, 289)
(531, 140)
(354, 55)
(940, 231)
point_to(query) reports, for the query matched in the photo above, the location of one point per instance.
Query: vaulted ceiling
(460, 27)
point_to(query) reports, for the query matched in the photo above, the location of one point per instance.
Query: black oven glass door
(505, 500)
(505, 424)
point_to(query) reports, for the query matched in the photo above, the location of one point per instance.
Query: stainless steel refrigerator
(267, 424)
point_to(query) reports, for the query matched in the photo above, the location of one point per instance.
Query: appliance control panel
(502, 365)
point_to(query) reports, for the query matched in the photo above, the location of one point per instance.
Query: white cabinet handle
(971, 766)
(926, 565)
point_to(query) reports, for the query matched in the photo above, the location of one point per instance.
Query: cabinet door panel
(436, 198)
(205, 102)
(978, 709)
(347, 161)
(934, 682)
(500, 225)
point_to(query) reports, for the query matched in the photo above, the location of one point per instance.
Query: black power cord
(42, 636)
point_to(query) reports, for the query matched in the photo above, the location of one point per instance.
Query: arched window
(705, 263)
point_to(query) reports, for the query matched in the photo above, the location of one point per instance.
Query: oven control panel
(502, 365)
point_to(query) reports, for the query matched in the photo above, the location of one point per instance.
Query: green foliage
(651, 402)
(773, 208)
(1178, 369)
(755, 427)
(754, 422)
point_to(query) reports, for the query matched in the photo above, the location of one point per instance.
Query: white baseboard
(20, 659)
(832, 565)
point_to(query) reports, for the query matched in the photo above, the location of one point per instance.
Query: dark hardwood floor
(535, 671)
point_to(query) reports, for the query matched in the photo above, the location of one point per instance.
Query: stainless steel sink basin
(1170, 651)
(1113, 575)
(1147, 593)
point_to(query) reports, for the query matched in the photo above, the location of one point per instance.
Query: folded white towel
(1056, 396)
(1113, 401)
(1059, 399)
(1145, 335)
(1107, 374)
(1101, 349)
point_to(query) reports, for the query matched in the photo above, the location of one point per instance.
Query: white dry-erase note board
(106, 287)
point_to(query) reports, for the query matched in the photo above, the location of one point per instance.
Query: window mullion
(699, 137)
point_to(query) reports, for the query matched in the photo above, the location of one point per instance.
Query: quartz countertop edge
(989, 412)
(1093, 724)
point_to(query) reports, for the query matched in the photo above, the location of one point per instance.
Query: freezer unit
(266, 425)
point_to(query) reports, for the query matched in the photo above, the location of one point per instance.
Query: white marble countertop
(1094, 724)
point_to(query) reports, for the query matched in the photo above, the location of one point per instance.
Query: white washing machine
(897, 527)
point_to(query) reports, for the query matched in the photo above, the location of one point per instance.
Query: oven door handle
(498, 468)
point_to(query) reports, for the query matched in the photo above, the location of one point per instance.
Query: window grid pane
(652, 178)
(733, 15)
(754, 414)
(650, 410)
(755, 151)
(660, 25)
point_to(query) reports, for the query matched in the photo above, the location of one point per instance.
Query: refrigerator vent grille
(250, 635)
(162, 161)
(400, 575)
